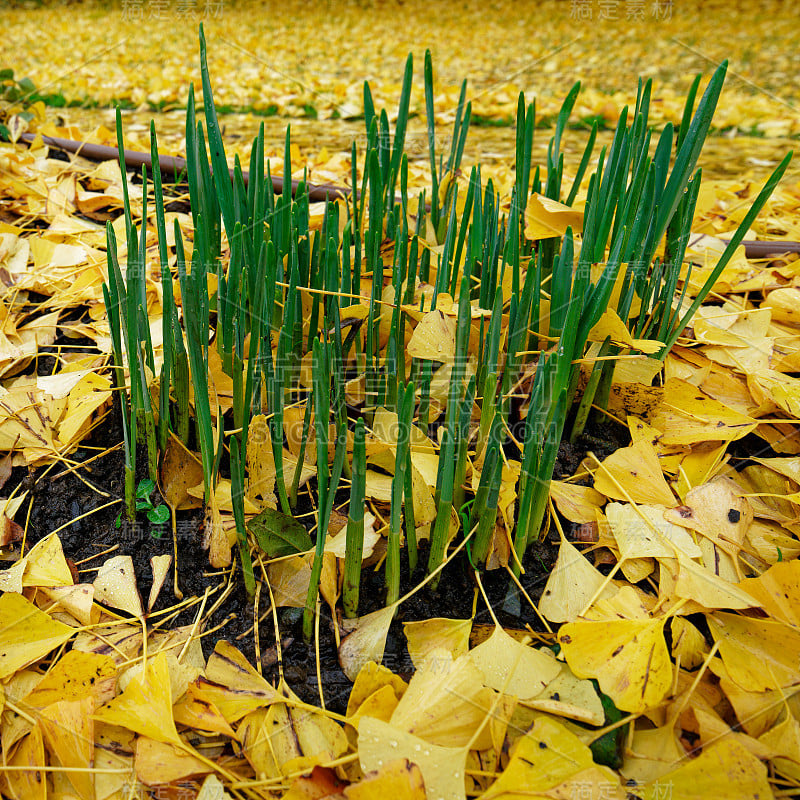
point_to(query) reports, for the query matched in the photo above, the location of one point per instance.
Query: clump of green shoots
(282, 284)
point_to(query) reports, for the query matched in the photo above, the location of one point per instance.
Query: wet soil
(60, 497)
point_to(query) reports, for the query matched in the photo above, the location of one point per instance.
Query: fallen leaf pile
(670, 666)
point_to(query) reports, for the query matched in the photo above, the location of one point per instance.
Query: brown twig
(173, 166)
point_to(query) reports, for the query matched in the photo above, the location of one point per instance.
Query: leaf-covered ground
(677, 600)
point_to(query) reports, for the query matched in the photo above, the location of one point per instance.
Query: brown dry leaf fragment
(629, 659)
(26, 633)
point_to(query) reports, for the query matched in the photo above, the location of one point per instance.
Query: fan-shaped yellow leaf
(146, 704)
(629, 658)
(26, 633)
(546, 218)
(380, 743)
(634, 474)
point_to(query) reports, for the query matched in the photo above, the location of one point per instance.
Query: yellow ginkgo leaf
(445, 703)
(372, 678)
(550, 761)
(759, 654)
(724, 769)
(611, 326)
(159, 762)
(146, 704)
(400, 780)
(26, 633)
(68, 729)
(366, 641)
(634, 474)
(576, 503)
(232, 685)
(424, 636)
(512, 667)
(688, 644)
(684, 579)
(629, 659)
(45, 564)
(572, 583)
(74, 676)
(115, 585)
(546, 218)
(715, 511)
(78, 601)
(784, 739)
(568, 696)
(642, 532)
(687, 415)
(434, 338)
(195, 711)
(778, 591)
(654, 752)
(442, 768)
(159, 566)
(23, 777)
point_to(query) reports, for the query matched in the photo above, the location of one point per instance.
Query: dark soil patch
(59, 497)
